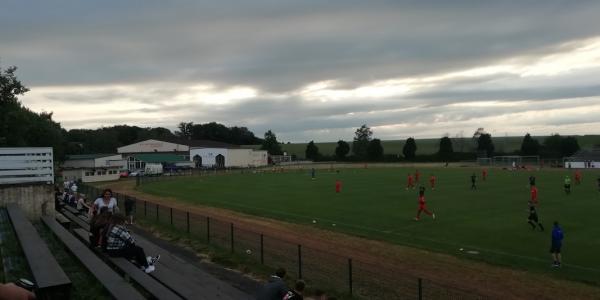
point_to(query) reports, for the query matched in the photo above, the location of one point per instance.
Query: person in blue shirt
(557, 238)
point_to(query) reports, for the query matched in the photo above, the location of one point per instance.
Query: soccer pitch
(491, 220)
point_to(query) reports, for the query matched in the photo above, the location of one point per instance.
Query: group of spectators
(276, 289)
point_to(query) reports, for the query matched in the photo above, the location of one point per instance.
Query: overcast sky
(311, 70)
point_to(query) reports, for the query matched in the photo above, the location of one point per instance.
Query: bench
(64, 221)
(81, 223)
(118, 287)
(148, 283)
(49, 277)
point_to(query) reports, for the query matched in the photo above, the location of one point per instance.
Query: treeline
(217, 132)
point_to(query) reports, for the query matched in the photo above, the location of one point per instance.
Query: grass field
(374, 204)
(429, 146)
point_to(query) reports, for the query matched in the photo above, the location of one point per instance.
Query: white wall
(208, 155)
(152, 146)
(92, 175)
(26, 165)
(259, 158)
(238, 158)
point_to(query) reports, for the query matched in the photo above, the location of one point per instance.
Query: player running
(533, 217)
(422, 205)
(410, 182)
(338, 186)
(577, 177)
(432, 181)
(417, 176)
(567, 185)
(473, 181)
(534, 195)
(484, 174)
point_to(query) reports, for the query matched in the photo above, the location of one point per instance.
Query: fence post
(299, 261)
(188, 221)
(231, 226)
(145, 208)
(420, 289)
(157, 212)
(171, 215)
(262, 247)
(350, 275)
(208, 230)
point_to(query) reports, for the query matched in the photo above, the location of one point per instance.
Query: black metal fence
(317, 267)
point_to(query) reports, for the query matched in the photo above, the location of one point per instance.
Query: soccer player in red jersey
(410, 182)
(484, 174)
(577, 177)
(417, 176)
(338, 186)
(432, 181)
(534, 195)
(422, 205)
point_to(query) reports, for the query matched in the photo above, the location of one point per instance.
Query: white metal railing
(26, 165)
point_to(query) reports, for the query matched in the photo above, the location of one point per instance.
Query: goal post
(516, 160)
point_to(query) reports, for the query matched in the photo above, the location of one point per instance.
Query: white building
(228, 157)
(93, 167)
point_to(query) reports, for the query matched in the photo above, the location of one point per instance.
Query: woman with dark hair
(106, 200)
(120, 243)
(97, 223)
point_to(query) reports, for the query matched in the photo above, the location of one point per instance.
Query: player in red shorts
(577, 177)
(534, 195)
(410, 182)
(432, 181)
(338, 186)
(422, 205)
(417, 176)
(484, 174)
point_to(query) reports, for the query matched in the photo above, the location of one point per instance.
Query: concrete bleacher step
(81, 223)
(148, 283)
(114, 284)
(49, 277)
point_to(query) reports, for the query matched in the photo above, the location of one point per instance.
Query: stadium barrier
(316, 266)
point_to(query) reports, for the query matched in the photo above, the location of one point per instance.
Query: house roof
(88, 156)
(201, 143)
(159, 157)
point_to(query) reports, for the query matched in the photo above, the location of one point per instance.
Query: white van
(153, 169)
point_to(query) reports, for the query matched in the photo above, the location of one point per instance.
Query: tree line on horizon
(21, 127)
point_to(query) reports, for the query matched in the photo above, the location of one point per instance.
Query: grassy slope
(430, 146)
(374, 204)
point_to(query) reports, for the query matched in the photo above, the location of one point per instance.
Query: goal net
(279, 159)
(516, 160)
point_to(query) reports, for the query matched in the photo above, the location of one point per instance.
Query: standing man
(534, 195)
(422, 205)
(557, 238)
(567, 185)
(577, 177)
(338, 186)
(484, 174)
(531, 181)
(432, 181)
(533, 217)
(312, 173)
(410, 182)
(473, 180)
(417, 176)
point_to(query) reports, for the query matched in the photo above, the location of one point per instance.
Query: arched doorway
(197, 161)
(220, 161)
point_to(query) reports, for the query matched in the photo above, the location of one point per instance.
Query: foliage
(557, 146)
(410, 149)
(485, 144)
(446, 150)
(312, 151)
(271, 144)
(569, 146)
(375, 150)
(342, 149)
(362, 137)
(530, 146)
(185, 130)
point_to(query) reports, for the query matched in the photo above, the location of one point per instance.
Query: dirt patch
(481, 278)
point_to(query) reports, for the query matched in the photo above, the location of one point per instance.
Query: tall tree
(485, 144)
(342, 149)
(530, 146)
(410, 148)
(375, 150)
(185, 130)
(312, 151)
(569, 146)
(362, 137)
(446, 150)
(271, 144)
(552, 145)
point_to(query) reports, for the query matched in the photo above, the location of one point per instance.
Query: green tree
(342, 149)
(446, 150)
(552, 145)
(375, 150)
(530, 146)
(485, 144)
(312, 151)
(271, 144)
(185, 130)
(362, 137)
(569, 146)
(410, 149)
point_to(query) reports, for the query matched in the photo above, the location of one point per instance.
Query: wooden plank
(44, 267)
(140, 277)
(114, 284)
(76, 220)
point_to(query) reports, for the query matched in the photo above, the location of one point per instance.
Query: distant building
(93, 167)
(584, 159)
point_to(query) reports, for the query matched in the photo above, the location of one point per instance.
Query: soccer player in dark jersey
(473, 180)
(598, 184)
(567, 185)
(531, 181)
(533, 218)
(422, 205)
